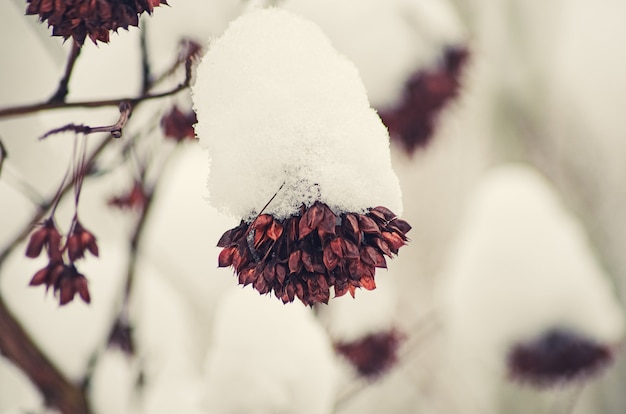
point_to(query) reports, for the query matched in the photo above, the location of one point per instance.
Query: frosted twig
(115, 129)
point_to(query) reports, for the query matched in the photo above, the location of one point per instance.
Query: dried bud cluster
(413, 120)
(121, 337)
(81, 18)
(135, 198)
(372, 355)
(304, 256)
(556, 357)
(63, 278)
(178, 125)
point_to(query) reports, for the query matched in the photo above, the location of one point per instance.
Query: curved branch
(18, 347)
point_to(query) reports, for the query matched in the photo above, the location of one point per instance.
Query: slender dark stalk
(3, 155)
(47, 204)
(146, 76)
(62, 90)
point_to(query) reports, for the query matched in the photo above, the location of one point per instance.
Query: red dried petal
(383, 246)
(66, 291)
(36, 242)
(247, 276)
(225, 258)
(368, 282)
(367, 225)
(330, 258)
(80, 284)
(388, 214)
(295, 261)
(393, 240)
(231, 236)
(307, 260)
(40, 277)
(281, 273)
(75, 249)
(401, 225)
(275, 230)
(373, 257)
(262, 222)
(350, 250)
(328, 222)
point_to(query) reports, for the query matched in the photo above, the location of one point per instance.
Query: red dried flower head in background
(80, 240)
(304, 256)
(121, 337)
(413, 121)
(372, 355)
(47, 235)
(94, 18)
(557, 357)
(135, 199)
(64, 280)
(178, 125)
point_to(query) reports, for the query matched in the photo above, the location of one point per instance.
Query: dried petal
(331, 260)
(393, 240)
(295, 261)
(275, 230)
(40, 277)
(36, 242)
(225, 258)
(367, 225)
(80, 284)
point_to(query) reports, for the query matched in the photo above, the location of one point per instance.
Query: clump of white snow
(388, 40)
(268, 358)
(521, 268)
(278, 106)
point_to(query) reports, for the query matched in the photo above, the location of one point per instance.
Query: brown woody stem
(18, 347)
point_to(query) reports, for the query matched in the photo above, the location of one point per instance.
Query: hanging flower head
(81, 18)
(297, 151)
(557, 357)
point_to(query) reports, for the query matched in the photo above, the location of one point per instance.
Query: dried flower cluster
(305, 255)
(134, 199)
(81, 18)
(178, 125)
(413, 120)
(372, 355)
(556, 357)
(62, 277)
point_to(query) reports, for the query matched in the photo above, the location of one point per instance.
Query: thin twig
(115, 130)
(44, 106)
(47, 204)
(62, 90)
(146, 76)
(3, 154)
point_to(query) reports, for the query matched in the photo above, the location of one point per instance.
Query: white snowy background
(517, 208)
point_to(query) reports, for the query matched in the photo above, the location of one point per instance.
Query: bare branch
(115, 130)
(62, 90)
(18, 347)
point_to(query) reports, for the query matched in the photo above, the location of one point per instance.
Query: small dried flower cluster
(413, 120)
(62, 277)
(178, 125)
(96, 19)
(121, 337)
(559, 356)
(372, 355)
(134, 199)
(304, 256)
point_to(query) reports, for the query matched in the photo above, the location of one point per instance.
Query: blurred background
(508, 137)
